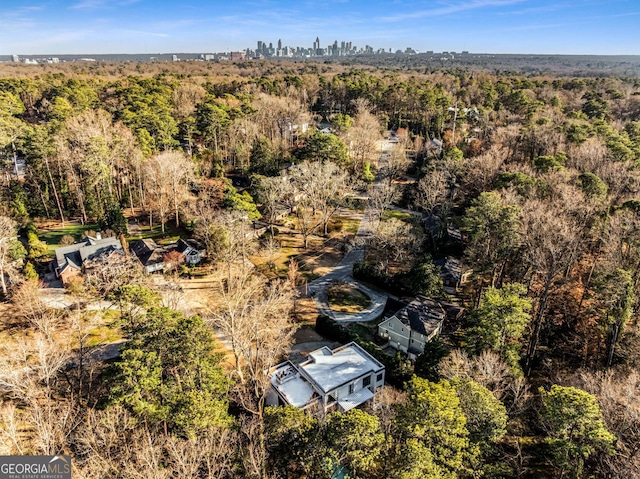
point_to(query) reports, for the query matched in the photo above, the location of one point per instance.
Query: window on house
(350, 388)
(379, 377)
(366, 381)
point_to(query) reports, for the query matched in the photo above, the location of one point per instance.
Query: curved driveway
(344, 272)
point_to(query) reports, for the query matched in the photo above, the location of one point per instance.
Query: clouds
(493, 26)
(450, 8)
(101, 4)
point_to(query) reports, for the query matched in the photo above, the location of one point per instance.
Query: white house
(413, 326)
(338, 379)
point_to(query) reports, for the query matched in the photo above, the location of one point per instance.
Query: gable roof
(187, 246)
(146, 251)
(74, 255)
(452, 269)
(143, 246)
(422, 315)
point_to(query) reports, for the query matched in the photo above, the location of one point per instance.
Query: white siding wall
(343, 391)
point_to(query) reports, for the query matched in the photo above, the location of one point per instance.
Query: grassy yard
(401, 215)
(346, 298)
(320, 256)
(348, 225)
(170, 235)
(53, 236)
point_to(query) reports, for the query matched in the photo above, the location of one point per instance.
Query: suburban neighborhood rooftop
(422, 315)
(329, 369)
(295, 389)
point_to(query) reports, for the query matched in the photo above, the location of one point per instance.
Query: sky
(32, 27)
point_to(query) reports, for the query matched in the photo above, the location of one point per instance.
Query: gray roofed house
(453, 273)
(152, 255)
(413, 326)
(149, 254)
(70, 259)
(439, 230)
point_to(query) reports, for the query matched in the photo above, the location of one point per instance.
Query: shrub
(29, 272)
(67, 240)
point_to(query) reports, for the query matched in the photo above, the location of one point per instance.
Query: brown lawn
(346, 298)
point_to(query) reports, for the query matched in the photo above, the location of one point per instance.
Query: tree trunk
(55, 191)
(175, 205)
(615, 332)
(2, 281)
(44, 203)
(533, 342)
(133, 213)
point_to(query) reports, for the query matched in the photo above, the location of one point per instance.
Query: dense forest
(538, 175)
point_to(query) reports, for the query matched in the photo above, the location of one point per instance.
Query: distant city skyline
(41, 27)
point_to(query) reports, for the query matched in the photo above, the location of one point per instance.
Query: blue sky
(163, 26)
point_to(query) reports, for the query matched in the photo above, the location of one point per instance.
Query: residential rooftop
(88, 248)
(324, 372)
(287, 380)
(422, 315)
(329, 369)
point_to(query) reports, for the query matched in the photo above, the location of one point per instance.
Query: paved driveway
(343, 272)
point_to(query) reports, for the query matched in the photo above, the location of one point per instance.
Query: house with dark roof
(454, 274)
(152, 256)
(70, 259)
(439, 230)
(411, 328)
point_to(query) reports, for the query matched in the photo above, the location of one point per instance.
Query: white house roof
(295, 389)
(330, 369)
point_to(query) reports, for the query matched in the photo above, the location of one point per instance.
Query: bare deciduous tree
(431, 190)
(487, 369)
(7, 235)
(255, 316)
(168, 175)
(271, 193)
(363, 136)
(381, 196)
(323, 186)
(227, 237)
(11, 437)
(551, 242)
(396, 240)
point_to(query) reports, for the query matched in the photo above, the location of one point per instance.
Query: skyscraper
(279, 44)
